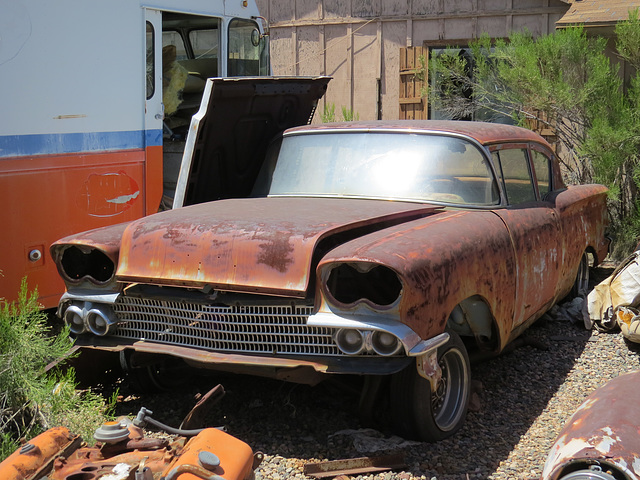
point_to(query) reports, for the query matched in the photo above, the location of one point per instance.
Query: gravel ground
(520, 402)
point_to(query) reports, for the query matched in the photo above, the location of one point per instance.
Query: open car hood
(229, 135)
(251, 245)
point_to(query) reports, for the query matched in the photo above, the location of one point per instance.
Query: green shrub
(32, 400)
(564, 82)
(329, 114)
(7, 445)
(349, 115)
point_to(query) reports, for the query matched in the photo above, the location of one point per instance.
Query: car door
(534, 227)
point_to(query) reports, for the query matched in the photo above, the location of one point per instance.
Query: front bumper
(265, 339)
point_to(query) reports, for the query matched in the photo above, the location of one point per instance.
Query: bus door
(189, 53)
(153, 107)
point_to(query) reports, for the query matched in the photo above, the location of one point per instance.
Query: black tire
(581, 284)
(165, 375)
(418, 414)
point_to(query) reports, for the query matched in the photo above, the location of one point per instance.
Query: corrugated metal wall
(359, 42)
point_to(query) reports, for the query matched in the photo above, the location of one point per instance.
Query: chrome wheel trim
(449, 400)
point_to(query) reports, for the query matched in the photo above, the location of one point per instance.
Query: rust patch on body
(276, 252)
(439, 268)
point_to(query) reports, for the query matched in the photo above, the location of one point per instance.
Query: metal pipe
(193, 470)
(143, 418)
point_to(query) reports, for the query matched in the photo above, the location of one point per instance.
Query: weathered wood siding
(413, 105)
(359, 42)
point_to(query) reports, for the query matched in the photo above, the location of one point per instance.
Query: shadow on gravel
(297, 421)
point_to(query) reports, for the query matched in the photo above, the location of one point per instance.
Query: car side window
(542, 167)
(513, 166)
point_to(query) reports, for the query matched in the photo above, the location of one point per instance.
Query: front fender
(106, 239)
(441, 260)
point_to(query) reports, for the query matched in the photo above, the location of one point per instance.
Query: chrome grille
(260, 329)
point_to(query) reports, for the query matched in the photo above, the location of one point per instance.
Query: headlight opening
(349, 283)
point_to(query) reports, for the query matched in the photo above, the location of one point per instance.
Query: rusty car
(389, 250)
(601, 440)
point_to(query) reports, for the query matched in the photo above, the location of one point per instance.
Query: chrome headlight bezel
(356, 341)
(89, 313)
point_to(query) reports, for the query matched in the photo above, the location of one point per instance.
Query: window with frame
(465, 108)
(195, 40)
(247, 49)
(515, 175)
(542, 167)
(151, 62)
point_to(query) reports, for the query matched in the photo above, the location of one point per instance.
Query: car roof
(482, 132)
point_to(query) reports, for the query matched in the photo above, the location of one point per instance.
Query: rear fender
(583, 215)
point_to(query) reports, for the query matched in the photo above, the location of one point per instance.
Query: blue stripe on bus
(153, 138)
(55, 143)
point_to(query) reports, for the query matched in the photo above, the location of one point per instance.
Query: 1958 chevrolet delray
(388, 250)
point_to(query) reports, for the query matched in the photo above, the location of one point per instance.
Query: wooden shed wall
(359, 42)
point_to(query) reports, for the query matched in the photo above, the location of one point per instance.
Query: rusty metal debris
(355, 466)
(124, 452)
(614, 302)
(195, 418)
(601, 439)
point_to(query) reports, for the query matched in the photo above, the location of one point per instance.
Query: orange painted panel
(236, 457)
(21, 466)
(52, 196)
(153, 179)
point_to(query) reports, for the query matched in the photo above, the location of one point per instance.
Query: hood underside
(229, 135)
(262, 245)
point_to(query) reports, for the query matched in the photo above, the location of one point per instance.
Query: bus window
(190, 52)
(205, 42)
(248, 52)
(151, 64)
(174, 38)
(196, 40)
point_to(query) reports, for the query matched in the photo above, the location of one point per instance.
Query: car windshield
(385, 165)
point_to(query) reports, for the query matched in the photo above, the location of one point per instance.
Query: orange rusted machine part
(58, 455)
(33, 458)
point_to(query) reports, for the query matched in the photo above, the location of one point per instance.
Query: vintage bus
(96, 97)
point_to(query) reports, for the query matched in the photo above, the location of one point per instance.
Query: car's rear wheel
(581, 284)
(417, 412)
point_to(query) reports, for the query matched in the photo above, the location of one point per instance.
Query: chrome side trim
(429, 345)
(189, 148)
(89, 296)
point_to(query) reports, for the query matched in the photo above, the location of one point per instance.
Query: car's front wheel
(420, 414)
(162, 375)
